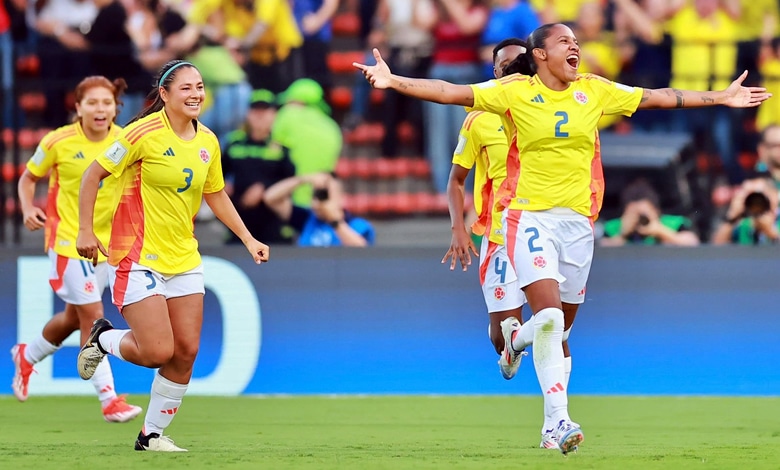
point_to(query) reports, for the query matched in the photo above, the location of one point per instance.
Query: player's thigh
(577, 242)
(531, 245)
(151, 325)
(185, 305)
(73, 280)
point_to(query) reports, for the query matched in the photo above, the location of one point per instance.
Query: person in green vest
(643, 223)
(304, 125)
(252, 162)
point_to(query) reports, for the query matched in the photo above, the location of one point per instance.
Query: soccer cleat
(548, 440)
(510, 358)
(119, 411)
(568, 435)
(23, 371)
(91, 353)
(156, 443)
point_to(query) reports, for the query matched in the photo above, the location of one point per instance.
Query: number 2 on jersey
(563, 119)
(187, 180)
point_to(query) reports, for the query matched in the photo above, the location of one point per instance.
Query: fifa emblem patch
(204, 155)
(499, 293)
(540, 262)
(89, 287)
(580, 97)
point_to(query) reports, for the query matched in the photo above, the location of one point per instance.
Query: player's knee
(186, 352)
(156, 357)
(549, 318)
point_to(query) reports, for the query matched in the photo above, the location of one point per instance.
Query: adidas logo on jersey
(79, 156)
(538, 99)
(169, 153)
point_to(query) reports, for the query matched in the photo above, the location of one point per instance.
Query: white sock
(103, 381)
(38, 349)
(549, 363)
(566, 372)
(164, 402)
(524, 337)
(110, 341)
(549, 424)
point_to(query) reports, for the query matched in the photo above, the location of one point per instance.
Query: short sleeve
(215, 181)
(615, 97)
(492, 96)
(468, 147)
(119, 155)
(42, 160)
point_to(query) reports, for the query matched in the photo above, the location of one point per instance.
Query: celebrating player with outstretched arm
(550, 205)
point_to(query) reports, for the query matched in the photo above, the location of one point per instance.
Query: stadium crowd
(244, 45)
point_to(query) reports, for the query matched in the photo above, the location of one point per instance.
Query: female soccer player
(167, 162)
(67, 152)
(554, 187)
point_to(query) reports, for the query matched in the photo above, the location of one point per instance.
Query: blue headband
(168, 72)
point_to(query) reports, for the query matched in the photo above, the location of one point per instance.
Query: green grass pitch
(398, 432)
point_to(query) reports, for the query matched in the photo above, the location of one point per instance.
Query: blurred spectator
(61, 25)
(558, 11)
(646, 52)
(757, 24)
(361, 89)
(208, 41)
(508, 19)
(252, 163)
(112, 54)
(769, 152)
(314, 21)
(769, 113)
(457, 26)
(326, 223)
(643, 223)
(305, 127)
(704, 54)
(6, 67)
(751, 218)
(598, 53)
(409, 53)
(150, 23)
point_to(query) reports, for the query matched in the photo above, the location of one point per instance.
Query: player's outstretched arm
(735, 96)
(437, 91)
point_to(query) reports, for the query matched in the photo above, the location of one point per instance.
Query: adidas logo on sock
(555, 388)
(170, 411)
(169, 153)
(538, 99)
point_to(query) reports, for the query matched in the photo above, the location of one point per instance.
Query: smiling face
(504, 56)
(96, 110)
(185, 94)
(560, 56)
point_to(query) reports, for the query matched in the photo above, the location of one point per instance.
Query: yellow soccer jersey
(67, 153)
(482, 145)
(554, 158)
(769, 112)
(163, 179)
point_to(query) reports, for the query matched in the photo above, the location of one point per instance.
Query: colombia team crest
(580, 97)
(204, 155)
(499, 293)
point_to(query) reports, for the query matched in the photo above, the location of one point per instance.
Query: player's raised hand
(739, 96)
(459, 250)
(377, 75)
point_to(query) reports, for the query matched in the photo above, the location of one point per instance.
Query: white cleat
(569, 436)
(510, 358)
(156, 443)
(548, 440)
(91, 354)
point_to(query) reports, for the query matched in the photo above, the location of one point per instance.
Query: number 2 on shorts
(534, 236)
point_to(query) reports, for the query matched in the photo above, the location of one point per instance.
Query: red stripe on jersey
(62, 263)
(52, 215)
(146, 131)
(142, 128)
(484, 265)
(508, 188)
(127, 228)
(484, 213)
(513, 78)
(596, 180)
(64, 134)
(470, 119)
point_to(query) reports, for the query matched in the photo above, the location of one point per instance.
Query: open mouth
(573, 60)
(100, 120)
(193, 104)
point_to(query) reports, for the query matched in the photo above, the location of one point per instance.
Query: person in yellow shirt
(64, 154)
(166, 163)
(554, 186)
(770, 71)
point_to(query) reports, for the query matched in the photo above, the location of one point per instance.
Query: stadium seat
(28, 65)
(32, 102)
(377, 97)
(341, 97)
(8, 171)
(346, 24)
(341, 62)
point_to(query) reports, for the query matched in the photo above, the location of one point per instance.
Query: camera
(643, 220)
(321, 194)
(756, 203)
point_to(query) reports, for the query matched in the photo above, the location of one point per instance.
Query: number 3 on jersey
(563, 118)
(187, 180)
